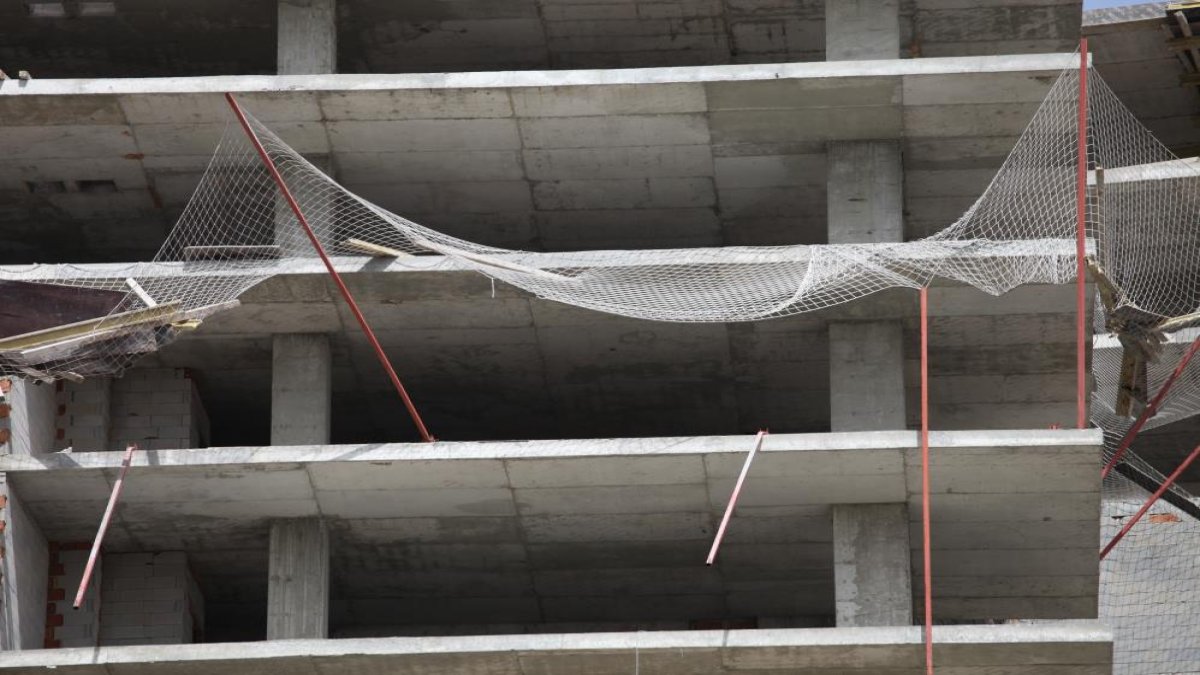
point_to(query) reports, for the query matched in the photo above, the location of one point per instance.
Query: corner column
(298, 588)
(872, 566)
(307, 37)
(301, 389)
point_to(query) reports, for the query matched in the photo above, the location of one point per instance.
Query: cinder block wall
(149, 598)
(157, 408)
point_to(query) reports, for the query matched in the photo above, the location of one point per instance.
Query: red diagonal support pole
(1150, 410)
(337, 278)
(1162, 489)
(104, 521)
(925, 528)
(733, 498)
(1081, 244)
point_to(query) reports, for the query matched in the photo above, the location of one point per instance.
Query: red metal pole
(108, 513)
(1150, 410)
(733, 498)
(1162, 489)
(925, 528)
(337, 278)
(1081, 244)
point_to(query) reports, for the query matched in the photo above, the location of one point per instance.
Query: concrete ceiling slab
(556, 160)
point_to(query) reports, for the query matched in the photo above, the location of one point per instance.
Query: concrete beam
(872, 574)
(301, 389)
(307, 37)
(298, 588)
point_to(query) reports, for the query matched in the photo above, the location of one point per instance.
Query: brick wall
(149, 598)
(65, 625)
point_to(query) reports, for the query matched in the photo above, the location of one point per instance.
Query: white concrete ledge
(1069, 646)
(567, 448)
(542, 78)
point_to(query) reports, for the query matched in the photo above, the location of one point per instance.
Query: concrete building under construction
(281, 512)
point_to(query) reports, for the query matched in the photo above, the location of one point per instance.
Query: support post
(298, 588)
(104, 521)
(337, 278)
(872, 572)
(307, 37)
(925, 527)
(301, 389)
(1081, 244)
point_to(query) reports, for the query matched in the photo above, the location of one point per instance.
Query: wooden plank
(231, 252)
(1183, 43)
(26, 307)
(160, 314)
(374, 250)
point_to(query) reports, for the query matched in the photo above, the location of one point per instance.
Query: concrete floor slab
(1075, 648)
(554, 519)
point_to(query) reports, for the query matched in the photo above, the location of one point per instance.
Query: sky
(1097, 4)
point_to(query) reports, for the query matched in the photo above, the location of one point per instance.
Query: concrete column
(298, 590)
(307, 38)
(32, 417)
(301, 389)
(866, 369)
(858, 30)
(26, 566)
(871, 568)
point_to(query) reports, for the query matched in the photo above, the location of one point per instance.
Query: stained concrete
(704, 156)
(596, 533)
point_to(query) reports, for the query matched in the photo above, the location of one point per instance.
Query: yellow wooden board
(161, 314)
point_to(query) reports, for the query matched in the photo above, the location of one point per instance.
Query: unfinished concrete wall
(149, 598)
(25, 563)
(28, 412)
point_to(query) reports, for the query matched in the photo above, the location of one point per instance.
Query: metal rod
(108, 513)
(1081, 244)
(1150, 410)
(925, 528)
(337, 278)
(733, 497)
(1150, 502)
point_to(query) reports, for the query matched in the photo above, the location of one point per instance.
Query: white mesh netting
(1142, 215)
